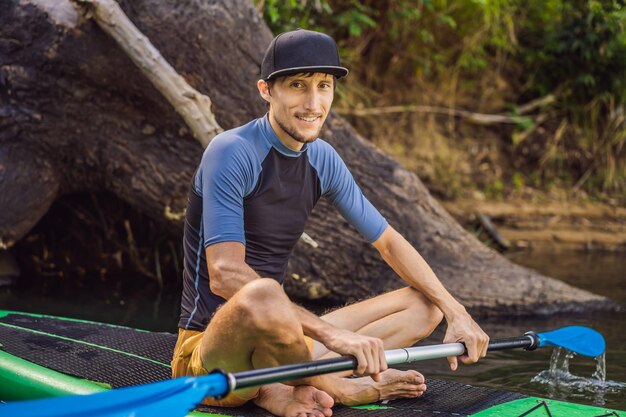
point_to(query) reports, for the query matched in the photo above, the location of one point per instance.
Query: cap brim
(336, 71)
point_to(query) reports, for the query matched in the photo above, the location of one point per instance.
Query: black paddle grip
(530, 341)
(257, 377)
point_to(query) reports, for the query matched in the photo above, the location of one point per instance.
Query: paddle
(177, 396)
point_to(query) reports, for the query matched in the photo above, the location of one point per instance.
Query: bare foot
(393, 384)
(300, 401)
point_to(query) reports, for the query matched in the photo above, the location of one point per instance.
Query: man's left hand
(464, 329)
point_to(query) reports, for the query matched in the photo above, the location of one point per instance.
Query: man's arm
(411, 267)
(229, 272)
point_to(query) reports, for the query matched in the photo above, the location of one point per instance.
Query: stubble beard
(295, 135)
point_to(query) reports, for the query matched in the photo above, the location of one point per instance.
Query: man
(250, 199)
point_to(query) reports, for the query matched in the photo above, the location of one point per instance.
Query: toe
(324, 400)
(419, 378)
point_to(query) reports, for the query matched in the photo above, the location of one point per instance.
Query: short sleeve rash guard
(251, 188)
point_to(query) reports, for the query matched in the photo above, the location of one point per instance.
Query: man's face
(299, 105)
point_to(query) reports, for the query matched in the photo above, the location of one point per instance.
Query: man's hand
(464, 329)
(368, 351)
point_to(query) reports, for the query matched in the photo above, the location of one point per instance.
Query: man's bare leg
(386, 317)
(258, 328)
(400, 318)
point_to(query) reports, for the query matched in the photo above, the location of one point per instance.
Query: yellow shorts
(186, 362)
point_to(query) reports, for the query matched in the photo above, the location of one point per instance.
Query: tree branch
(538, 102)
(470, 117)
(193, 106)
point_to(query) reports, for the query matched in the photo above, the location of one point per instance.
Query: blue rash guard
(251, 188)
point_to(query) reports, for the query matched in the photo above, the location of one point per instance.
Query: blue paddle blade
(579, 339)
(171, 398)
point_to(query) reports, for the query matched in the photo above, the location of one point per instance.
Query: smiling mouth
(308, 119)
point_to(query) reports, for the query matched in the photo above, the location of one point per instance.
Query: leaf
(448, 20)
(273, 14)
(524, 123)
(354, 29)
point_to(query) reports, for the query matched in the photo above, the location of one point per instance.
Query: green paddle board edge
(24, 380)
(21, 380)
(540, 407)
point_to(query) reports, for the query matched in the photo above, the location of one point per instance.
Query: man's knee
(260, 292)
(264, 304)
(435, 317)
(430, 316)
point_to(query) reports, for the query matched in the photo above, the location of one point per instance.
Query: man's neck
(283, 136)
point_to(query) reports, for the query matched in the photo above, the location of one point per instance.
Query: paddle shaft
(259, 377)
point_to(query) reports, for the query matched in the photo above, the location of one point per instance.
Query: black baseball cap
(301, 51)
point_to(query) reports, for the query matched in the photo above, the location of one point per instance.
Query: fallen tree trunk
(77, 115)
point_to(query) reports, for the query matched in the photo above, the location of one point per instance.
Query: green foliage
(580, 47)
(575, 45)
(352, 16)
(518, 180)
(574, 49)
(356, 19)
(425, 33)
(495, 189)
(524, 123)
(282, 16)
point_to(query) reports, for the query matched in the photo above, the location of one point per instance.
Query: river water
(146, 306)
(529, 372)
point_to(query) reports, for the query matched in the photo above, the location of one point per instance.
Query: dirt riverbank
(530, 224)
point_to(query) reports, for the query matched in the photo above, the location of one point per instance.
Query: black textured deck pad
(451, 398)
(121, 356)
(87, 361)
(152, 345)
(442, 399)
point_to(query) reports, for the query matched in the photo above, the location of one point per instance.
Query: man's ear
(264, 90)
